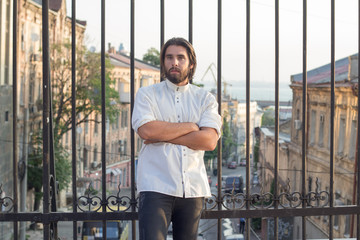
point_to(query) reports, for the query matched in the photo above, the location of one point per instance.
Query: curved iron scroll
(6, 203)
(93, 203)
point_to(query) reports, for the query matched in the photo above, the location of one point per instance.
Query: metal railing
(248, 205)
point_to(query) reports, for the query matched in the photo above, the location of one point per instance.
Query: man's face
(177, 65)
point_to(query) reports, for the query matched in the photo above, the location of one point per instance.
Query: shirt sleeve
(210, 116)
(143, 109)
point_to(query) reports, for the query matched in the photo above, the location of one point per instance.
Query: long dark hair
(189, 49)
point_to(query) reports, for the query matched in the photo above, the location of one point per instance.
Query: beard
(179, 77)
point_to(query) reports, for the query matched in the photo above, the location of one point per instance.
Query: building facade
(318, 143)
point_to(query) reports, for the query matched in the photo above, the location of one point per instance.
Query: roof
(81, 22)
(344, 71)
(124, 61)
(283, 137)
(54, 5)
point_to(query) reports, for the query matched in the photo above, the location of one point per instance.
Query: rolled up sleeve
(210, 116)
(143, 110)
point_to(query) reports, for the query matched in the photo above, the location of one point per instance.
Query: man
(178, 122)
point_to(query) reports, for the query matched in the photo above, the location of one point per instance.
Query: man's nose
(175, 62)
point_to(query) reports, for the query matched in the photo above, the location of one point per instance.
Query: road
(208, 227)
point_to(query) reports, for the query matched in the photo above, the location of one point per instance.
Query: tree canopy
(88, 101)
(152, 56)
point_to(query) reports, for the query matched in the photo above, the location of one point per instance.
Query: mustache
(174, 68)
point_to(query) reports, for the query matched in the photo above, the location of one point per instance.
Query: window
(341, 138)
(321, 130)
(6, 116)
(22, 90)
(31, 92)
(86, 126)
(22, 37)
(95, 154)
(312, 126)
(297, 128)
(124, 118)
(85, 157)
(352, 148)
(124, 177)
(125, 147)
(96, 127)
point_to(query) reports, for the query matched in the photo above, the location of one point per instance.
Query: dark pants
(157, 210)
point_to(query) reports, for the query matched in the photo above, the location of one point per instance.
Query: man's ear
(191, 66)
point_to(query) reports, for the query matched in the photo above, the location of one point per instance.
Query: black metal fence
(247, 205)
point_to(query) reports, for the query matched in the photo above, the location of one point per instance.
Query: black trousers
(157, 210)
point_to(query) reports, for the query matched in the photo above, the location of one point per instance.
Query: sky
(262, 37)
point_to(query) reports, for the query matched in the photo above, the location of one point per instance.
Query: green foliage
(88, 88)
(268, 118)
(152, 56)
(35, 170)
(88, 101)
(256, 223)
(227, 143)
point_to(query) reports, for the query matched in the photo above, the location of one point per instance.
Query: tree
(152, 56)
(227, 143)
(268, 118)
(88, 101)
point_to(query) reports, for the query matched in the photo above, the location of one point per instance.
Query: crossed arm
(186, 134)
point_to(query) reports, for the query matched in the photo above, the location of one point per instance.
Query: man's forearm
(162, 131)
(205, 139)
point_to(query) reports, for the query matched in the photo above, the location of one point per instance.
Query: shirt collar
(176, 88)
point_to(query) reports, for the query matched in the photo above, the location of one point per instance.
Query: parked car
(232, 165)
(243, 162)
(234, 182)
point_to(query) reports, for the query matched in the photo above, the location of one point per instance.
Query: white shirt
(168, 168)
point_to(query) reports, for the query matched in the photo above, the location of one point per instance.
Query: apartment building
(318, 144)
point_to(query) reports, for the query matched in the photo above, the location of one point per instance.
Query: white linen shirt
(168, 168)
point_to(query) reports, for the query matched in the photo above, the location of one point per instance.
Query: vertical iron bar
(276, 157)
(191, 24)
(358, 135)
(219, 145)
(332, 120)
(304, 120)
(52, 180)
(46, 112)
(247, 225)
(162, 29)
(73, 110)
(103, 115)
(191, 21)
(15, 148)
(132, 133)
